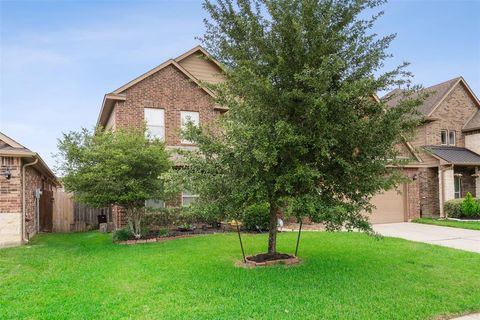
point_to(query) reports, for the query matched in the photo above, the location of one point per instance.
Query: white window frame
(160, 113)
(442, 132)
(186, 194)
(457, 181)
(454, 138)
(194, 117)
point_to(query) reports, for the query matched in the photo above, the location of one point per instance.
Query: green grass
(473, 225)
(344, 276)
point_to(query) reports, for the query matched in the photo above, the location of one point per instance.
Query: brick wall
(33, 180)
(428, 184)
(413, 191)
(453, 113)
(173, 91)
(10, 202)
(168, 89)
(11, 190)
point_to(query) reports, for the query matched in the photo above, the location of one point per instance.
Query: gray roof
(455, 155)
(436, 93)
(474, 123)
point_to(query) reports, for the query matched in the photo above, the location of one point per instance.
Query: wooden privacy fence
(69, 215)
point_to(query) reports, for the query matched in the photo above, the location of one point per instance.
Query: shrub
(470, 208)
(453, 208)
(256, 217)
(459, 208)
(163, 232)
(156, 218)
(122, 234)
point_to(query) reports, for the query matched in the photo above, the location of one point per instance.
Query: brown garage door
(390, 207)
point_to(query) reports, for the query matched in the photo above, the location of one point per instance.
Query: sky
(59, 58)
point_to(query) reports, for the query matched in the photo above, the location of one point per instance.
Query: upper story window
(155, 120)
(448, 137)
(443, 135)
(186, 117)
(451, 138)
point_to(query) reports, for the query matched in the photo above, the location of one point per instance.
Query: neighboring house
(165, 97)
(170, 94)
(26, 185)
(446, 147)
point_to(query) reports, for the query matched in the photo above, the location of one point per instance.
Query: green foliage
(163, 232)
(122, 234)
(303, 131)
(453, 208)
(470, 207)
(256, 218)
(162, 217)
(105, 168)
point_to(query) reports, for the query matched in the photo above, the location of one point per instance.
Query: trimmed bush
(463, 208)
(453, 208)
(122, 234)
(255, 217)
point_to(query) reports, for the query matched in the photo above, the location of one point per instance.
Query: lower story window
(458, 188)
(188, 198)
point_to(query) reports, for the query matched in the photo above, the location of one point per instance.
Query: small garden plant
(469, 207)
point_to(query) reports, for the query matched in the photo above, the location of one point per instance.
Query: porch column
(477, 182)
(449, 183)
(446, 186)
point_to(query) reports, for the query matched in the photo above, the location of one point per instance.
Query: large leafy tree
(122, 167)
(304, 131)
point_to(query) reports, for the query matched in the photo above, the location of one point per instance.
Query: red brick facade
(11, 199)
(168, 89)
(11, 190)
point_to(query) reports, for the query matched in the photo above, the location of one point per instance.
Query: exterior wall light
(7, 174)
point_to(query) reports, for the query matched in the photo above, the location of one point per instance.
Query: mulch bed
(265, 259)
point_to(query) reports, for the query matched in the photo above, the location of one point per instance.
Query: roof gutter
(23, 197)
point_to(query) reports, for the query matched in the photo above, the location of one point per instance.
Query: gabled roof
(436, 94)
(117, 95)
(11, 148)
(455, 155)
(473, 123)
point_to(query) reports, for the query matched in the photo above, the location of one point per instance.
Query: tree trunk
(272, 230)
(134, 218)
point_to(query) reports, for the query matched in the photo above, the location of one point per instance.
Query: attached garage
(390, 207)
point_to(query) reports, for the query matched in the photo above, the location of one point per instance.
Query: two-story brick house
(442, 155)
(166, 98)
(446, 145)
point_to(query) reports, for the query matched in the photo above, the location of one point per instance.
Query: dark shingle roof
(474, 123)
(455, 155)
(436, 94)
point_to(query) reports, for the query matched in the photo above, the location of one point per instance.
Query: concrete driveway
(463, 239)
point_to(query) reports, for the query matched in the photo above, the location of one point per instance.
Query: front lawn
(344, 276)
(473, 225)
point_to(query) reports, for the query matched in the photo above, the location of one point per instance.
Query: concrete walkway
(463, 239)
(475, 316)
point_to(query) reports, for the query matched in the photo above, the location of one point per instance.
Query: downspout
(23, 198)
